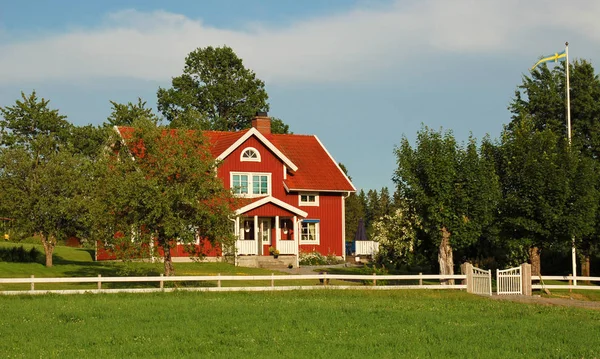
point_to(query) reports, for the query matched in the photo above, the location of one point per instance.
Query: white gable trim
(276, 202)
(263, 139)
(336, 164)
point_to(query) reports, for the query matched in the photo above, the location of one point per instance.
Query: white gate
(482, 281)
(509, 281)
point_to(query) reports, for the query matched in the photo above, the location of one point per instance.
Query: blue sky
(359, 74)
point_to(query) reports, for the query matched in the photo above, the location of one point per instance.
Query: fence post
(420, 278)
(162, 284)
(272, 279)
(219, 280)
(374, 279)
(99, 281)
(32, 284)
(526, 279)
(467, 270)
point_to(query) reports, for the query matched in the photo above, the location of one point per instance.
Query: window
(309, 233)
(308, 199)
(251, 184)
(250, 154)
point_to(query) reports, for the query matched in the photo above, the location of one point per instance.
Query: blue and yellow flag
(559, 56)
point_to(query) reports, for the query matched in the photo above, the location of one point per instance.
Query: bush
(317, 259)
(19, 254)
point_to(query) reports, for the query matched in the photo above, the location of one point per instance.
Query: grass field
(303, 324)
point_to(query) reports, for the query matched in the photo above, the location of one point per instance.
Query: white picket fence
(324, 278)
(509, 281)
(366, 248)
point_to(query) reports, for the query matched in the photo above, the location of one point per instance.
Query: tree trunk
(168, 261)
(536, 263)
(49, 243)
(585, 266)
(445, 256)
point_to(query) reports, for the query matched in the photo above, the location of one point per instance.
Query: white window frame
(250, 175)
(250, 159)
(308, 203)
(305, 231)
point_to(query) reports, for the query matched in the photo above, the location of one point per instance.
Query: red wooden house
(294, 191)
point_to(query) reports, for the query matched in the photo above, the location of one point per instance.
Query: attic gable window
(250, 154)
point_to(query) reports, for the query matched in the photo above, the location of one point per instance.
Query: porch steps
(268, 262)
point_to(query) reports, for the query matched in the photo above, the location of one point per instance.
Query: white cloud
(349, 46)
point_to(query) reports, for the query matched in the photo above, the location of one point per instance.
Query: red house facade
(293, 191)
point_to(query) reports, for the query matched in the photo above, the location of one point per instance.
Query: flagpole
(573, 254)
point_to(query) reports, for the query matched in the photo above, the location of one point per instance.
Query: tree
(353, 211)
(167, 194)
(397, 235)
(549, 192)
(126, 114)
(214, 92)
(454, 190)
(43, 179)
(541, 100)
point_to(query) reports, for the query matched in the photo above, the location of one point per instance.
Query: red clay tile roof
(316, 169)
(221, 140)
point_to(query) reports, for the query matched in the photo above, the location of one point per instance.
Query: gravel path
(564, 302)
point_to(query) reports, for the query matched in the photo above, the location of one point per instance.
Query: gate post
(526, 279)
(467, 269)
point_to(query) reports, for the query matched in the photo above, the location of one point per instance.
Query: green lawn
(307, 324)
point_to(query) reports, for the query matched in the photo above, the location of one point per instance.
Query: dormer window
(250, 154)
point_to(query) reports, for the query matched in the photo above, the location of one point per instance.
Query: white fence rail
(509, 281)
(567, 278)
(218, 279)
(366, 248)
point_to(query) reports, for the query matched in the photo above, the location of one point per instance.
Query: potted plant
(276, 253)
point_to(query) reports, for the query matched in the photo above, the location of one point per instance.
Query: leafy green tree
(214, 92)
(454, 190)
(168, 194)
(397, 235)
(541, 99)
(126, 114)
(549, 192)
(44, 182)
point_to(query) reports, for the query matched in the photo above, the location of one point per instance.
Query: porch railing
(246, 247)
(286, 247)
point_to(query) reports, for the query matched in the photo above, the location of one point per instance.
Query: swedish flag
(559, 56)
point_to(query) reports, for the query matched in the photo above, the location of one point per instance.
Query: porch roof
(270, 201)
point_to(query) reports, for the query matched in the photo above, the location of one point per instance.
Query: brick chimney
(262, 123)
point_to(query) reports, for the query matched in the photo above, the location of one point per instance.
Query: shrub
(312, 259)
(19, 254)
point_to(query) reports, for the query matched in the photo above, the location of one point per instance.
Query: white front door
(264, 235)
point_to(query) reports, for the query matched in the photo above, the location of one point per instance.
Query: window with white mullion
(308, 199)
(251, 184)
(309, 233)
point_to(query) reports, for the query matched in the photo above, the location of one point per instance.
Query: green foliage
(167, 194)
(19, 254)
(127, 114)
(44, 181)
(549, 191)
(397, 236)
(451, 186)
(313, 258)
(214, 92)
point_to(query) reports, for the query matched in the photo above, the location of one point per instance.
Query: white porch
(256, 234)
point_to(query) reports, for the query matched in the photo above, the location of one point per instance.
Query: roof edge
(271, 199)
(336, 164)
